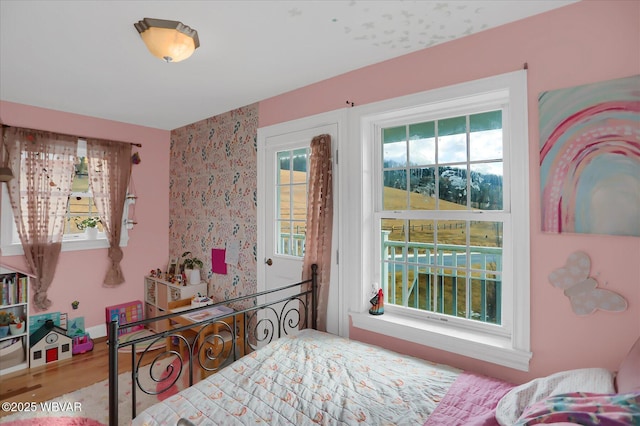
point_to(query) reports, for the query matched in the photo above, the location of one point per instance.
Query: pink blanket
(471, 401)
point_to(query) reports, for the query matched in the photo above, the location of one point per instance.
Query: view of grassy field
(449, 232)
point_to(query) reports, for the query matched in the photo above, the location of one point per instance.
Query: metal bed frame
(264, 321)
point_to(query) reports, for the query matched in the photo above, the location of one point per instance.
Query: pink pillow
(628, 378)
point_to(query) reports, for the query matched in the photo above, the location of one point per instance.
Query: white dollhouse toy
(49, 343)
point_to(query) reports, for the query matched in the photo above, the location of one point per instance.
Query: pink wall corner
(585, 42)
(79, 274)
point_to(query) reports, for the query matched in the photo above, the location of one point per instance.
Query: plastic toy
(82, 344)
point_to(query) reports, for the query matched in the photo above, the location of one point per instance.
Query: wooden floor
(49, 381)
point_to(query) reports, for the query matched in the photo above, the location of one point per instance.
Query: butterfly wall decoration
(582, 289)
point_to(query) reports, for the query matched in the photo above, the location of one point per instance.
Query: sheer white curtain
(43, 166)
(109, 174)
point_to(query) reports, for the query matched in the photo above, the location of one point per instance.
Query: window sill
(69, 245)
(493, 349)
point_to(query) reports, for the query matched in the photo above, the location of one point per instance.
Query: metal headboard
(270, 315)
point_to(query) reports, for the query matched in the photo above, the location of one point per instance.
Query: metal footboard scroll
(253, 321)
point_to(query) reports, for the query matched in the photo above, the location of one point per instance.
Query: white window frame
(509, 343)
(10, 242)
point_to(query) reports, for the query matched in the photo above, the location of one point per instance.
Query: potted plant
(89, 225)
(16, 326)
(6, 318)
(192, 266)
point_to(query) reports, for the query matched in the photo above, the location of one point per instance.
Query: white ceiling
(86, 57)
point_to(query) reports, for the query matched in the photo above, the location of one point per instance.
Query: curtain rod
(139, 145)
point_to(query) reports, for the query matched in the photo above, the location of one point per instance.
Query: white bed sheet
(311, 378)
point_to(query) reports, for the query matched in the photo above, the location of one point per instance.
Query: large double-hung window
(449, 221)
(438, 254)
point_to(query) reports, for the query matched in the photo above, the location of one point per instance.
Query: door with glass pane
(286, 158)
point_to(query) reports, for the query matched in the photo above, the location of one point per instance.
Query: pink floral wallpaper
(212, 189)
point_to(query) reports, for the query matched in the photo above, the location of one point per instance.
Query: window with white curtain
(79, 206)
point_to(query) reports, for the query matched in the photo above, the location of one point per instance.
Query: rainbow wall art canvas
(590, 158)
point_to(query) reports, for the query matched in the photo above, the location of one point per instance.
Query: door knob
(269, 262)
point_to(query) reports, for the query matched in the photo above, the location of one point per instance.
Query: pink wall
(581, 43)
(79, 274)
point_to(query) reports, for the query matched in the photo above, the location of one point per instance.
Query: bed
(294, 374)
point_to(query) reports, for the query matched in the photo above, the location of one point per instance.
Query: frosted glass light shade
(170, 41)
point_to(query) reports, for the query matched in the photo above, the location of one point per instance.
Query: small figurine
(152, 273)
(377, 304)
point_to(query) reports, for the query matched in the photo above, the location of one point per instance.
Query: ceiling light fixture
(171, 41)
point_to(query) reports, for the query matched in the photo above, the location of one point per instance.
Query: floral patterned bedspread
(311, 378)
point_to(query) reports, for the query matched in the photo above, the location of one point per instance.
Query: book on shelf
(13, 290)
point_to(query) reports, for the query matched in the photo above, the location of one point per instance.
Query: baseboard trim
(97, 331)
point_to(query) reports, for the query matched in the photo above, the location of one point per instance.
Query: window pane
(394, 134)
(452, 140)
(452, 241)
(485, 246)
(420, 291)
(300, 160)
(283, 231)
(80, 180)
(419, 256)
(447, 290)
(394, 195)
(299, 202)
(396, 277)
(455, 287)
(422, 188)
(420, 247)
(284, 165)
(486, 186)
(394, 147)
(485, 299)
(452, 126)
(426, 130)
(393, 240)
(485, 145)
(452, 188)
(491, 120)
(485, 234)
(422, 144)
(298, 238)
(284, 201)
(452, 149)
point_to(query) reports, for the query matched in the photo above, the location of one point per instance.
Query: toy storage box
(12, 354)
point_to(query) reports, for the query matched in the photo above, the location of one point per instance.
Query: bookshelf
(14, 298)
(158, 293)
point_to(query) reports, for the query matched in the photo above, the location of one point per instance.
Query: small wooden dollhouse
(49, 343)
